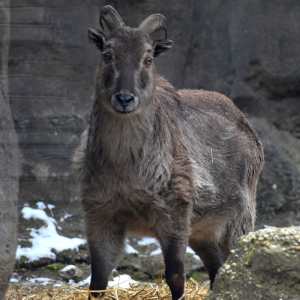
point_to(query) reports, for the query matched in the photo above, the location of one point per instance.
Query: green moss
(55, 267)
(84, 268)
(200, 277)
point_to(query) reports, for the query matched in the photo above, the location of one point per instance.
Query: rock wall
(51, 78)
(9, 162)
(248, 51)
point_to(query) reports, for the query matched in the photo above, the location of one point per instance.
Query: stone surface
(9, 162)
(71, 273)
(265, 265)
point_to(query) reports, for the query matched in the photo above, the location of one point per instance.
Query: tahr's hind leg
(213, 256)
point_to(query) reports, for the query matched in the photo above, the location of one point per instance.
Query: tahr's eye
(106, 55)
(149, 60)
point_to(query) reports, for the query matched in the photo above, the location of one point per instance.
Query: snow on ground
(155, 252)
(41, 280)
(121, 281)
(68, 268)
(45, 238)
(190, 250)
(85, 281)
(130, 249)
(147, 241)
(65, 217)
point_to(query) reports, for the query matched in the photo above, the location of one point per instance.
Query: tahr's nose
(124, 99)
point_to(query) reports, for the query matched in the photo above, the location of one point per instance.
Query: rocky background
(246, 50)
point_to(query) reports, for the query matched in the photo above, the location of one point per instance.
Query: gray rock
(71, 272)
(264, 266)
(278, 190)
(9, 163)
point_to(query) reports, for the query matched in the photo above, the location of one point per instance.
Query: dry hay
(147, 291)
(137, 291)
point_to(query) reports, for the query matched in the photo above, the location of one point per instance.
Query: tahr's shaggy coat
(181, 166)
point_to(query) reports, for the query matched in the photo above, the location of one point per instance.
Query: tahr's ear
(96, 37)
(161, 46)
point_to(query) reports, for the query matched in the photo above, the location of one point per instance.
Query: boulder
(265, 265)
(9, 163)
(71, 273)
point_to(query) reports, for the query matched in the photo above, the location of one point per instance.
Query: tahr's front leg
(105, 245)
(174, 245)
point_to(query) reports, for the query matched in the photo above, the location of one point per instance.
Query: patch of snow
(50, 206)
(41, 280)
(155, 252)
(121, 281)
(45, 238)
(41, 205)
(14, 280)
(130, 249)
(68, 267)
(58, 284)
(147, 241)
(29, 212)
(190, 250)
(85, 281)
(65, 217)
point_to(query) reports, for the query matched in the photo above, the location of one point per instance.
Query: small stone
(71, 272)
(296, 248)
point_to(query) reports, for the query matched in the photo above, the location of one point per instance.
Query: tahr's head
(125, 79)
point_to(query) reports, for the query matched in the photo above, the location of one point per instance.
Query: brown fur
(183, 168)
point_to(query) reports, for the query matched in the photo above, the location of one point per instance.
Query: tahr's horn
(154, 23)
(111, 18)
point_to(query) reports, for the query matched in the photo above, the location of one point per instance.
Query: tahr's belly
(139, 227)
